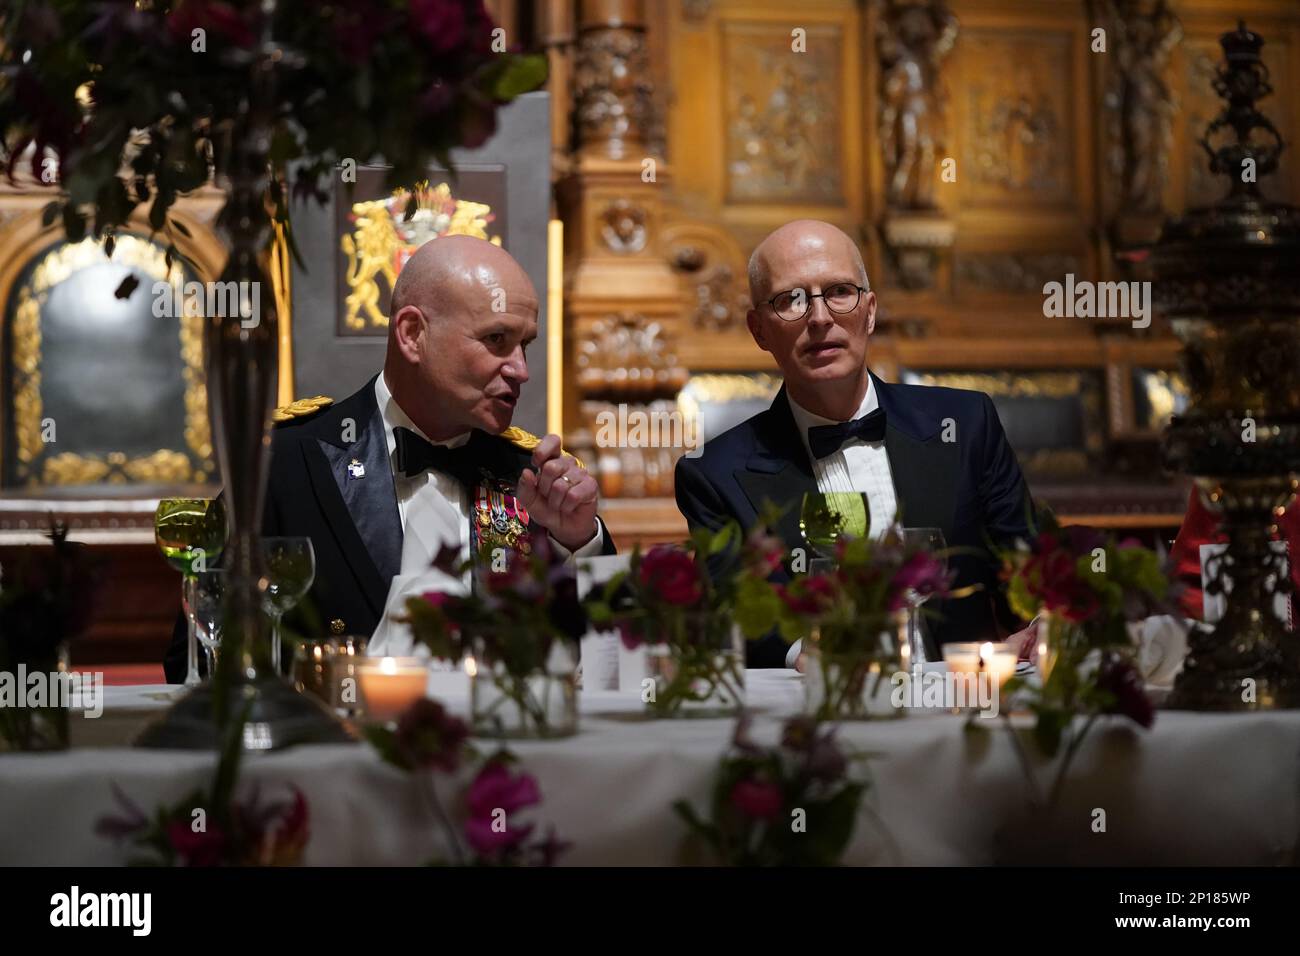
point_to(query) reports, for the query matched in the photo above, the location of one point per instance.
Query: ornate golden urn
(1228, 278)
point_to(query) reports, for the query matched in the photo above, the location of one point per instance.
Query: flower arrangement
(518, 630)
(1085, 588)
(794, 804)
(852, 618)
(209, 826)
(428, 738)
(190, 833)
(127, 104)
(688, 604)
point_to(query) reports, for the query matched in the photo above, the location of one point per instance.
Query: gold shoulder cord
(300, 408)
(528, 441)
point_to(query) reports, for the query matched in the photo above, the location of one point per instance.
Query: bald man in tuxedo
(424, 453)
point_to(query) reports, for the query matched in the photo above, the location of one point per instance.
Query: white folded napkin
(393, 638)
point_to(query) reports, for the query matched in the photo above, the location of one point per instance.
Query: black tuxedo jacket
(353, 523)
(971, 487)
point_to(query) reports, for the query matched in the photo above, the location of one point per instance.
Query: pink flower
(493, 796)
(672, 575)
(496, 787)
(757, 799)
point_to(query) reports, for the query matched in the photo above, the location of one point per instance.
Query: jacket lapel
(923, 466)
(780, 471)
(360, 511)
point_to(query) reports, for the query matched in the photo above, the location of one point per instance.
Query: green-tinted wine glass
(191, 533)
(290, 570)
(825, 517)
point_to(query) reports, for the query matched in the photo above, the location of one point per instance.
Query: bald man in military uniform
(424, 454)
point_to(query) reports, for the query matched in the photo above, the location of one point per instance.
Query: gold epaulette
(528, 441)
(300, 408)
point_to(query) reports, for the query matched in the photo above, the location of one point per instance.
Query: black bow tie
(415, 454)
(825, 440)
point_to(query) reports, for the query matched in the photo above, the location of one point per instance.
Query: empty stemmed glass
(932, 541)
(191, 533)
(290, 570)
(209, 596)
(825, 517)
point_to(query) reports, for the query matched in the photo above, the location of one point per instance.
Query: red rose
(672, 575)
(757, 799)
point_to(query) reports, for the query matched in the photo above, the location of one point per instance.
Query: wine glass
(209, 611)
(290, 570)
(825, 517)
(191, 533)
(932, 541)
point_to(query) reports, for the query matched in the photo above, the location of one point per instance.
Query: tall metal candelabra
(240, 354)
(1228, 278)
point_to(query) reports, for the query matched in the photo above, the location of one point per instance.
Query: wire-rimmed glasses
(793, 304)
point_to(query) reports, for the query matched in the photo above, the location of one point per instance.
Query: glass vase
(701, 675)
(521, 703)
(42, 728)
(1056, 636)
(852, 679)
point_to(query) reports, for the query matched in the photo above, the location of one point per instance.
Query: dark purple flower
(207, 847)
(428, 736)
(1118, 677)
(757, 799)
(213, 16)
(442, 22)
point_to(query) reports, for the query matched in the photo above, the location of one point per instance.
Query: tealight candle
(389, 685)
(999, 660)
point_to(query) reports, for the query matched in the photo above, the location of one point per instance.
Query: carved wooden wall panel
(783, 123)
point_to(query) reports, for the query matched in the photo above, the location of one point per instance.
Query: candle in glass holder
(999, 660)
(389, 685)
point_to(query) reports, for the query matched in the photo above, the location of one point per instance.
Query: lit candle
(389, 685)
(998, 660)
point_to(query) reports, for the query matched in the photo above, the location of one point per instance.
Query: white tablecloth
(1196, 789)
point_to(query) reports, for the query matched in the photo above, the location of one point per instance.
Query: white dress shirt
(859, 466)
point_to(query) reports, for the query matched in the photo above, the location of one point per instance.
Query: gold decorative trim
(161, 466)
(528, 441)
(300, 408)
(1037, 385)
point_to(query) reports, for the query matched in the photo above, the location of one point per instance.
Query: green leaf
(722, 540)
(513, 75)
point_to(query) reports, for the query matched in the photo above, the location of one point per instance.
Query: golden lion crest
(383, 239)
